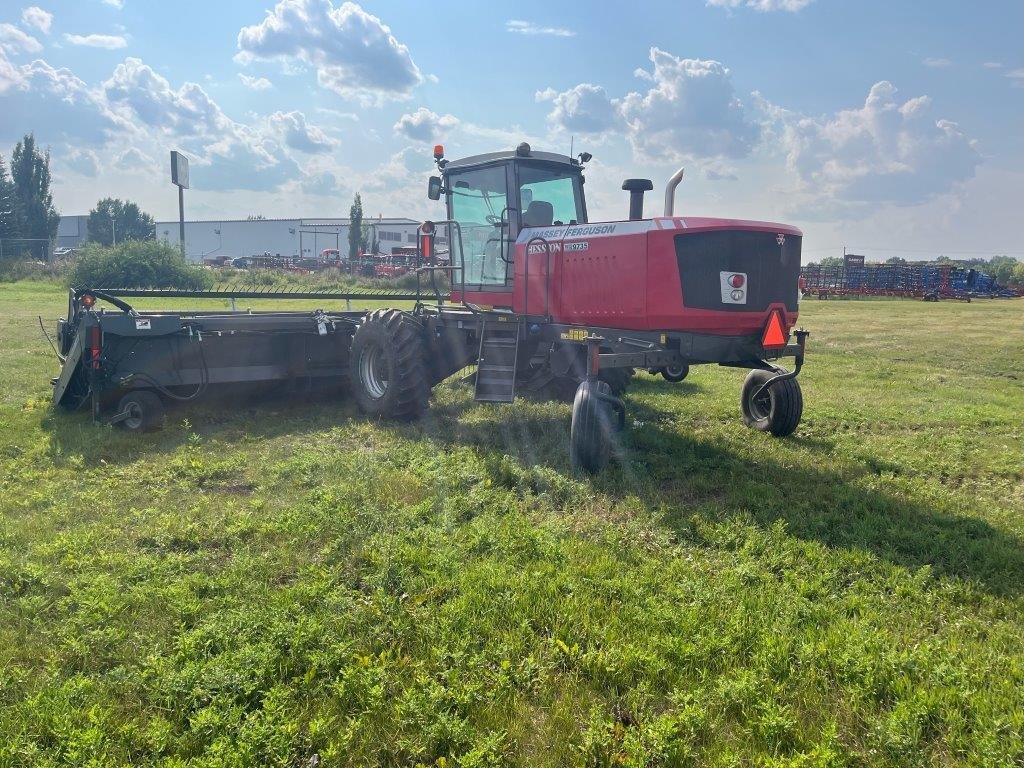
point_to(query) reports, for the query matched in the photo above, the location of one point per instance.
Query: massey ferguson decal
(584, 230)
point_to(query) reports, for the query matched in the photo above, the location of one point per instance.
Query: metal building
(284, 237)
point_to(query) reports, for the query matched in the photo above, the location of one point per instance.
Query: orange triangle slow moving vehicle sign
(774, 336)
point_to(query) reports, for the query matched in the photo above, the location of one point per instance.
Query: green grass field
(291, 585)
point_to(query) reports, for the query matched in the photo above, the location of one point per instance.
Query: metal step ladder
(496, 362)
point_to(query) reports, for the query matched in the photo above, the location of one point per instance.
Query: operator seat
(539, 213)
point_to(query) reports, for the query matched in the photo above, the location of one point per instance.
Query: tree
(895, 260)
(356, 237)
(1017, 277)
(115, 221)
(33, 202)
(1001, 268)
(8, 217)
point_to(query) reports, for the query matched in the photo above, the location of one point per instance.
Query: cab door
(481, 244)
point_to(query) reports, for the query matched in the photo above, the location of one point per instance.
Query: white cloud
(10, 75)
(148, 96)
(713, 173)
(529, 28)
(424, 125)
(13, 40)
(119, 4)
(292, 128)
(691, 110)
(37, 18)
(110, 42)
(585, 109)
(255, 83)
(133, 160)
(337, 114)
(992, 65)
(1017, 77)
(354, 53)
(883, 152)
(322, 184)
(54, 103)
(226, 154)
(763, 6)
(81, 161)
(937, 63)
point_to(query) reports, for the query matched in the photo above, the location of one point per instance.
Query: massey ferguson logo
(781, 240)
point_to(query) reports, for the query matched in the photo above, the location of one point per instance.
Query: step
(496, 363)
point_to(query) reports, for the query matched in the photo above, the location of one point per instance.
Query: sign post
(179, 177)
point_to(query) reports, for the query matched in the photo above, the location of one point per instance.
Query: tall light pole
(113, 231)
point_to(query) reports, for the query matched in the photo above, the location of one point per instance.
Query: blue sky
(890, 127)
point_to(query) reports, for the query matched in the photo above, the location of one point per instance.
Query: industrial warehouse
(232, 238)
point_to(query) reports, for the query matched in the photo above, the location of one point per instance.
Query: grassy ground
(291, 585)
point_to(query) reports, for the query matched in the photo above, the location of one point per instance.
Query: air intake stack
(636, 189)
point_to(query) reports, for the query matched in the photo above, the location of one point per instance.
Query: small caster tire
(675, 373)
(777, 409)
(590, 437)
(144, 411)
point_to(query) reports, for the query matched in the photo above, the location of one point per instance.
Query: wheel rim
(373, 372)
(674, 370)
(134, 418)
(761, 406)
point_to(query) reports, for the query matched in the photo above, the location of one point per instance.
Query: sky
(890, 127)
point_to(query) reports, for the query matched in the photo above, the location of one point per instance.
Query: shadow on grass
(823, 501)
(668, 470)
(227, 416)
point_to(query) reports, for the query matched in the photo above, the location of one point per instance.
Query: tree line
(28, 217)
(26, 203)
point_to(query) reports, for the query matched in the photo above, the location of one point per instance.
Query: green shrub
(137, 264)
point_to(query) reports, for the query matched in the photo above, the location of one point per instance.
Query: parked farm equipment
(543, 302)
(929, 282)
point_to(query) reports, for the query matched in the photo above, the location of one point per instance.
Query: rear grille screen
(772, 269)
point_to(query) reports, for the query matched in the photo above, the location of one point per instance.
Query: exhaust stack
(670, 191)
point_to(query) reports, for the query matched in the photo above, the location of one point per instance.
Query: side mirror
(434, 188)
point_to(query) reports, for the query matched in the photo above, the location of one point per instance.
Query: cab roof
(493, 157)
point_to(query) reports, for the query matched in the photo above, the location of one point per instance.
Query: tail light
(94, 346)
(427, 242)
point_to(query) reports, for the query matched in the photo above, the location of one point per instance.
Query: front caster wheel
(140, 411)
(775, 409)
(675, 372)
(590, 437)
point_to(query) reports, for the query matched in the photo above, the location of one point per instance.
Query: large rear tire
(590, 436)
(777, 409)
(388, 373)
